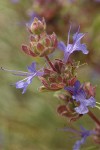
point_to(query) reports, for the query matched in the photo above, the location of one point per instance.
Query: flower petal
(69, 89)
(61, 46)
(19, 84)
(90, 102)
(77, 37)
(80, 47)
(32, 67)
(78, 144)
(82, 109)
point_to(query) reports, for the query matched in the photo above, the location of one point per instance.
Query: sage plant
(60, 75)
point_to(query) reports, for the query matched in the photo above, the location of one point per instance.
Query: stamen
(68, 35)
(14, 72)
(98, 103)
(97, 107)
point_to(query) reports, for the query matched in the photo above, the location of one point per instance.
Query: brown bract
(68, 112)
(41, 44)
(90, 89)
(57, 79)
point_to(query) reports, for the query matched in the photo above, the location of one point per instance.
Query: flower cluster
(41, 44)
(79, 95)
(59, 74)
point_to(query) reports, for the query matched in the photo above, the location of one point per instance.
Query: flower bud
(49, 42)
(41, 44)
(38, 27)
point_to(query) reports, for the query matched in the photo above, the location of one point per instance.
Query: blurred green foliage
(30, 121)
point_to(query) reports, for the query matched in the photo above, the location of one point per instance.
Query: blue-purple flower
(79, 95)
(76, 46)
(83, 133)
(32, 72)
(23, 84)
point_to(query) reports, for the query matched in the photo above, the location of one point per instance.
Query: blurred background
(30, 121)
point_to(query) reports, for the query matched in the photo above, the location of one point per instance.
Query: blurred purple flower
(83, 133)
(15, 1)
(97, 1)
(71, 1)
(76, 46)
(32, 72)
(23, 84)
(79, 95)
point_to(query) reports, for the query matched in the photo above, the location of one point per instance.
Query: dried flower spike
(41, 44)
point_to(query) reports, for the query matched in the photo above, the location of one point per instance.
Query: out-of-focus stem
(50, 63)
(94, 117)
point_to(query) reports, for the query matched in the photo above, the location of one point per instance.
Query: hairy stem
(50, 63)
(94, 117)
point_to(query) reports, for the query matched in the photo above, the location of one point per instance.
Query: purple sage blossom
(32, 72)
(83, 133)
(76, 46)
(80, 96)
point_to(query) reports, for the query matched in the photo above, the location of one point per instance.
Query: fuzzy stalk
(94, 117)
(50, 63)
